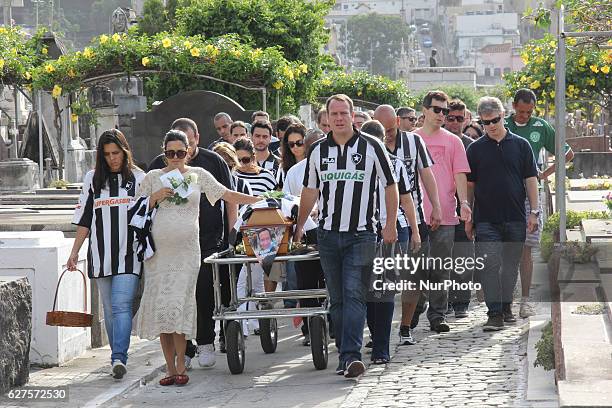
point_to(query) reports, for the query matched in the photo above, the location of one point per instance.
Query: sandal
(181, 379)
(167, 380)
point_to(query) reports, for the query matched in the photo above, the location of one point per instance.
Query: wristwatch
(535, 212)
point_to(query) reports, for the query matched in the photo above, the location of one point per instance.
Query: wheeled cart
(230, 316)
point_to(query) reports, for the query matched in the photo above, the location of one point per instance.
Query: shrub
(545, 348)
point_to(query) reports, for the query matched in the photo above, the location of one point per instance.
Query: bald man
(410, 148)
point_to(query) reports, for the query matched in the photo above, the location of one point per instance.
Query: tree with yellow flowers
(587, 74)
(587, 66)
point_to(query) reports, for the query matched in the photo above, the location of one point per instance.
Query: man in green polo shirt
(540, 135)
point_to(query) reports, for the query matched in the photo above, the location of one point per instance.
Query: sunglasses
(485, 122)
(244, 160)
(409, 118)
(179, 154)
(452, 118)
(438, 109)
(298, 143)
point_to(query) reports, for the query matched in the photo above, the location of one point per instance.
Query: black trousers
(205, 301)
(309, 276)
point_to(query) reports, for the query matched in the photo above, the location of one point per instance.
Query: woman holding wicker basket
(102, 217)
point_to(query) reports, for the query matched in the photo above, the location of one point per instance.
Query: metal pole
(278, 104)
(264, 96)
(16, 123)
(40, 139)
(560, 127)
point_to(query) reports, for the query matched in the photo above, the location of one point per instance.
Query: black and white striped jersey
(272, 163)
(347, 177)
(411, 149)
(404, 187)
(259, 183)
(111, 241)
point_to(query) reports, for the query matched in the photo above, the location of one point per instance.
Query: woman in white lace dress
(168, 308)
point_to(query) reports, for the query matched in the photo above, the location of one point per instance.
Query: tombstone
(149, 128)
(29, 147)
(128, 96)
(101, 99)
(122, 19)
(18, 175)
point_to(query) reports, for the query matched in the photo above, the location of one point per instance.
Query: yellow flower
(145, 61)
(591, 81)
(288, 72)
(605, 69)
(57, 91)
(74, 117)
(257, 52)
(116, 37)
(166, 42)
(14, 51)
(303, 68)
(2, 30)
(571, 41)
(49, 68)
(523, 78)
(535, 84)
(1, 63)
(188, 44)
(525, 58)
(278, 84)
(608, 57)
(103, 39)
(359, 93)
(44, 51)
(553, 44)
(71, 73)
(582, 61)
(539, 59)
(552, 94)
(27, 75)
(594, 68)
(211, 50)
(195, 52)
(88, 53)
(326, 82)
(552, 66)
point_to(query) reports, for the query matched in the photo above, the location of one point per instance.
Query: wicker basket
(70, 319)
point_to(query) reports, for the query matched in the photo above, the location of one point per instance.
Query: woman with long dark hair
(293, 149)
(102, 216)
(168, 307)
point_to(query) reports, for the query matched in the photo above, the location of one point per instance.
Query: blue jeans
(380, 318)
(290, 283)
(117, 293)
(403, 236)
(347, 259)
(501, 247)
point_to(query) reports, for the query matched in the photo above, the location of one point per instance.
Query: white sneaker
(118, 370)
(187, 363)
(206, 355)
(527, 309)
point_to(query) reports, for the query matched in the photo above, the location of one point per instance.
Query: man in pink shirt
(449, 169)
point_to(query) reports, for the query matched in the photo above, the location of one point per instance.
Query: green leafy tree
(154, 17)
(296, 27)
(375, 41)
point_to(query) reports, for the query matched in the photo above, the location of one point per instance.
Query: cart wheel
(318, 341)
(234, 339)
(268, 335)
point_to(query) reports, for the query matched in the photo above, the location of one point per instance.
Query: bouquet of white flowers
(182, 185)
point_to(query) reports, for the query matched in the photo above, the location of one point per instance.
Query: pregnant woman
(168, 308)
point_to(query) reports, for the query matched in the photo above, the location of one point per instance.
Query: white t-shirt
(294, 179)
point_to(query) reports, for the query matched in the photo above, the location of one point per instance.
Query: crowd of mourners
(435, 181)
